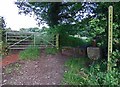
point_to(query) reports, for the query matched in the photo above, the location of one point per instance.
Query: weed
(12, 67)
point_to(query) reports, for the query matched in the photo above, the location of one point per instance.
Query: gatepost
(57, 41)
(1, 43)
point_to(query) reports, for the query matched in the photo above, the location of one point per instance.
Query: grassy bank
(74, 70)
(78, 73)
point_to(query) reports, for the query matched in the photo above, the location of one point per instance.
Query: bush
(3, 49)
(116, 59)
(31, 53)
(52, 51)
(72, 41)
(96, 77)
(3, 44)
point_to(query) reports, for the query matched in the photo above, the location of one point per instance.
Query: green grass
(51, 51)
(31, 53)
(73, 76)
(76, 62)
(78, 73)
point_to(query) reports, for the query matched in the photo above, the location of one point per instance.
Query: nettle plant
(115, 58)
(98, 77)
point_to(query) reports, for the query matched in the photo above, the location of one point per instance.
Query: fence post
(34, 39)
(1, 43)
(6, 37)
(0, 35)
(57, 41)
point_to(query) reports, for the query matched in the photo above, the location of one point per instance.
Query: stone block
(93, 52)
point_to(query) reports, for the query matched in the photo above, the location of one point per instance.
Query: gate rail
(20, 39)
(11, 36)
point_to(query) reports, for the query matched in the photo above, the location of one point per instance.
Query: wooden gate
(21, 40)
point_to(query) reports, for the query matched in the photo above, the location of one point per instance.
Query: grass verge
(79, 74)
(73, 75)
(31, 53)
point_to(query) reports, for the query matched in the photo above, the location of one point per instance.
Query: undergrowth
(79, 74)
(72, 75)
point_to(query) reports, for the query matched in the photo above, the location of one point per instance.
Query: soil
(47, 70)
(10, 58)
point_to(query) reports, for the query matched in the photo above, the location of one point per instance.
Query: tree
(2, 23)
(102, 14)
(116, 27)
(69, 13)
(57, 12)
(35, 29)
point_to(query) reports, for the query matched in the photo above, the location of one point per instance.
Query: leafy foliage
(35, 29)
(70, 20)
(57, 12)
(96, 77)
(3, 49)
(102, 14)
(115, 62)
(72, 41)
(2, 23)
(31, 53)
(66, 37)
(3, 45)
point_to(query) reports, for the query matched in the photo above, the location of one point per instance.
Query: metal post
(110, 30)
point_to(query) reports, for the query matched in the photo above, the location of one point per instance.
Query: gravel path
(47, 70)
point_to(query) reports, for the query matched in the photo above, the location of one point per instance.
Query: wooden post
(110, 30)
(6, 37)
(0, 34)
(57, 41)
(1, 43)
(34, 39)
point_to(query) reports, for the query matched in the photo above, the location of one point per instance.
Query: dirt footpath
(47, 70)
